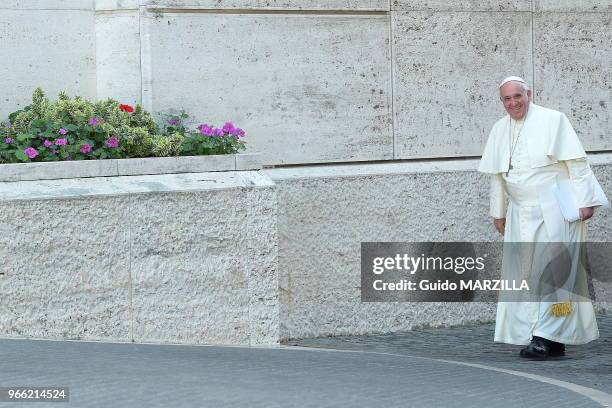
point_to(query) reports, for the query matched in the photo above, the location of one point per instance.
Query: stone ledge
(425, 166)
(75, 188)
(127, 167)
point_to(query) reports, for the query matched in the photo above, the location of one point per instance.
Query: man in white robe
(527, 151)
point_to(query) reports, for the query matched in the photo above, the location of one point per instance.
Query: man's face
(515, 99)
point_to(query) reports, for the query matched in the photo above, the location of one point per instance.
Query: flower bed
(78, 129)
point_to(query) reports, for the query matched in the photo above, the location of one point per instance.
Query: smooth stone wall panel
(446, 68)
(351, 5)
(52, 49)
(47, 4)
(573, 5)
(573, 71)
(118, 56)
(101, 5)
(66, 265)
(461, 5)
(306, 88)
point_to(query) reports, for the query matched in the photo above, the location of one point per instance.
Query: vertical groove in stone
(392, 101)
(130, 279)
(146, 88)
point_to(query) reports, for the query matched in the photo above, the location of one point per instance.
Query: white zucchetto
(511, 78)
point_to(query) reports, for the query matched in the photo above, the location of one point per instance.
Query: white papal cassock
(544, 148)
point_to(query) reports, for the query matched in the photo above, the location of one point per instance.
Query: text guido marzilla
(446, 285)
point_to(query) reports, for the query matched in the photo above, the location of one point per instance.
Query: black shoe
(536, 350)
(557, 349)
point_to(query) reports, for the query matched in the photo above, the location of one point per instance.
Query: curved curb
(602, 398)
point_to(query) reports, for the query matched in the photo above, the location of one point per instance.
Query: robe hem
(547, 337)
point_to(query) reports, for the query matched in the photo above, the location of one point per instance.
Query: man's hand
(586, 213)
(500, 225)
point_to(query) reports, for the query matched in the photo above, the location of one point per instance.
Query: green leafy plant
(78, 129)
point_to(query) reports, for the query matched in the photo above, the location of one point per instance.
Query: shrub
(78, 129)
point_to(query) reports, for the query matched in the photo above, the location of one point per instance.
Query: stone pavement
(136, 375)
(589, 365)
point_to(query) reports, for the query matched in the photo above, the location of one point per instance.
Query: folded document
(563, 191)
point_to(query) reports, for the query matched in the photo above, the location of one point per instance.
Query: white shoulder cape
(550, 138)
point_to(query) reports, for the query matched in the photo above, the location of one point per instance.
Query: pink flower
(47, 143)
(228, 127)
(63, 131)
(31, 152)
(86, 148)
(94, 121)
(237, 133)
(61, 142)
(205, 129)
(112, 142)
(218, 132)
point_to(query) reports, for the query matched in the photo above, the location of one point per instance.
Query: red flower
(126, 108)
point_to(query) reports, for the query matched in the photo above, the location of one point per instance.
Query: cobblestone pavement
(133, 375)
(589, 365)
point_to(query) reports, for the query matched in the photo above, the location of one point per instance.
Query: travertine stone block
(461, 5)
(118, 56)
(446, 69)
(573, 5)
(107, 5)
(185, 164)
(47, 5)
(351, 5)
(248, 161)
(261, 241)
(573, 71)
(326, 212)
(66, 265)
(324, 219)
(306, 88)
(38, 45)
(204, 266)
(57, 170)
(164, 166)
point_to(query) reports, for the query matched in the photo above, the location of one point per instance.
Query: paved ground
(131, 375)
(589, 365)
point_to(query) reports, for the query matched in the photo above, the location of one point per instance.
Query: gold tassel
(561, 309)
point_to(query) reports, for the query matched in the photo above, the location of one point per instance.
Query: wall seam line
(130, 280)
(339, 12)
(392, 99)
(533, 67)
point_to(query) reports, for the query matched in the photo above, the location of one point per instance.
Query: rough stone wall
(312, 81)
(191, 261)
(326, 212)
(318, 81)
(236, 257)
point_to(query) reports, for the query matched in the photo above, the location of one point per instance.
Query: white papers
(563, 192)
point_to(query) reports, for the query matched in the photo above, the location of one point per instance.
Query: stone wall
(312, 82)
(237, 257)
(169, 258)
(326, 212)
(317, 81)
